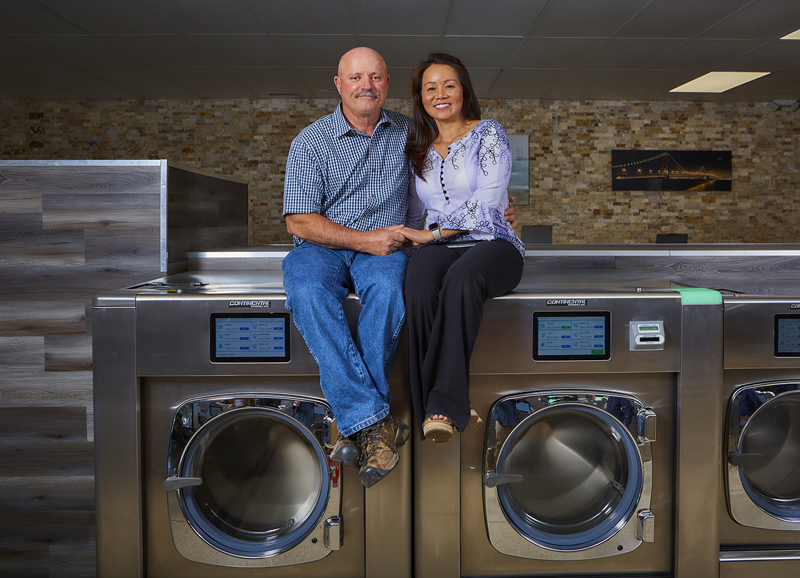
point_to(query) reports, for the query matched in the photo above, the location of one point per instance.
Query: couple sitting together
(362, 185)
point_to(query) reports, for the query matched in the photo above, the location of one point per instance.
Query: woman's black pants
(445, 290)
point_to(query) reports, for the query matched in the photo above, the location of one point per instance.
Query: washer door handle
(737, 459)
(176, 483)
(492, 479)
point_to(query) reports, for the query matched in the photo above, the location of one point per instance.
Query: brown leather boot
(346, 451)
(379, 444)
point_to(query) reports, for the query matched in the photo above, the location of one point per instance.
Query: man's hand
(383, 241)
(510, 213)
(325, 233)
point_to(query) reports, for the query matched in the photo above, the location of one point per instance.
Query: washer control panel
(647, 335)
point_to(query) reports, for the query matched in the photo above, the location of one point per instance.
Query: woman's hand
(417, 236)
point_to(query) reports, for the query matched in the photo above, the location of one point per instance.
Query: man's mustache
(368, 93)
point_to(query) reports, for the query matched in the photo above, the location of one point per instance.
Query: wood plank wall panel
(66, 234)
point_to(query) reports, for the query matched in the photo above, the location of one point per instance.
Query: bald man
(345, 203)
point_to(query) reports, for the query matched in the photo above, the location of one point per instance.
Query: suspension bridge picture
(671, 170)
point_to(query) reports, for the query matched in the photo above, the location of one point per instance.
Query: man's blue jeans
(353, 372)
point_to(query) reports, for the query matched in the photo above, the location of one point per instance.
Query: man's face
(362, 82)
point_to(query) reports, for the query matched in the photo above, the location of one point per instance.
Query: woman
(461, 166)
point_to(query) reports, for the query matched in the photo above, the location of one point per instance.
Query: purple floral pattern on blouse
(468, 189)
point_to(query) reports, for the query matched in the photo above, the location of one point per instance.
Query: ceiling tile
(33, 86)
(135, 79)
(421, 17)
(778, 55)
(14, 53)
(630, 54)
(679, 18)
(764, 19)
(208, 16)
(597, 80)
(501, 18)
(779, 86)
(80, 82)
(206, 81)
(483, 52)
(238, 49)
(530, 80)
(555, 52)
(159, 50)
(303, 16)
(30, 17)
(705, 55)
(320, 80)
(264, 80)
(579, 18)
(78, 50)
(402, 50)
(314, 51)
(111, 16)
(652, 82)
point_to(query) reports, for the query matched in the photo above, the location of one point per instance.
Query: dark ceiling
(532, 49)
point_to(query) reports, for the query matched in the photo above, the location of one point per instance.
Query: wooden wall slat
(70, 180)
(21, 354)
(20, 211)
(126, 249)
(48, 389)
(51, 493)
(42, 318)
(100, 211)
(68, 353)
(40, 458)
(61, 423)
(26, 561)
(32, 250)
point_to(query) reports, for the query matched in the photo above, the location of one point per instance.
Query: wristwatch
(434, 228)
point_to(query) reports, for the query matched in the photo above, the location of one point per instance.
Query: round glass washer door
(581, 477)
(265, 482)
(771, 478)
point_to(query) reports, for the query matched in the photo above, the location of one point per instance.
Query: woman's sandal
(474, 421)
(437, 430)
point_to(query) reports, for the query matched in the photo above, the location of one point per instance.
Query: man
(345, 202)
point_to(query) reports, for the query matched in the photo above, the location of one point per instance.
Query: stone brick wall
(570, 158)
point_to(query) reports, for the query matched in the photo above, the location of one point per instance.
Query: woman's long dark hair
(423, 128)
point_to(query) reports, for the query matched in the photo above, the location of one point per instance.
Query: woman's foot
(437, 428)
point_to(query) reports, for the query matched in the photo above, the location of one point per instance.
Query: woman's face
(441, 93)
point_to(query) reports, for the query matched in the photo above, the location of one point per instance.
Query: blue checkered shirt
(348, 177)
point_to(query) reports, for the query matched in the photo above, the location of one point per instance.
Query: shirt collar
(343, 127)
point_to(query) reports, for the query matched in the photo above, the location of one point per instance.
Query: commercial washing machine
(212, 441)
(760, 512)
(579, 379)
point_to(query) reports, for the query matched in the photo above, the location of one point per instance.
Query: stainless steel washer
(579, 379)
(212, 441)
(760, 514)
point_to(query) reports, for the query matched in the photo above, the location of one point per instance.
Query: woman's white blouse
(467, 190)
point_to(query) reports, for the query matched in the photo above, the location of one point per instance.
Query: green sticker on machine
(699, 296)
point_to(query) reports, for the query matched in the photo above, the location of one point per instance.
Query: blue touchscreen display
(250, 337)
(583, 336)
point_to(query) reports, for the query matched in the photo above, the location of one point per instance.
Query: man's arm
(324, 232)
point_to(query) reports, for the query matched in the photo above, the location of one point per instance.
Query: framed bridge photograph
(671, 170)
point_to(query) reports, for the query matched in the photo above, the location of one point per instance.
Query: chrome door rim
(746, 505)
(619, 537)
(309, 543)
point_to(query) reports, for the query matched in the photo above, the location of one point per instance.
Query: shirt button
(373, 170)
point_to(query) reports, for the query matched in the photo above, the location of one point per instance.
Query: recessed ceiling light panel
(718, 81)
(793, 36)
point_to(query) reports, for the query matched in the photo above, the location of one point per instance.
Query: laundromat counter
(690, 264)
